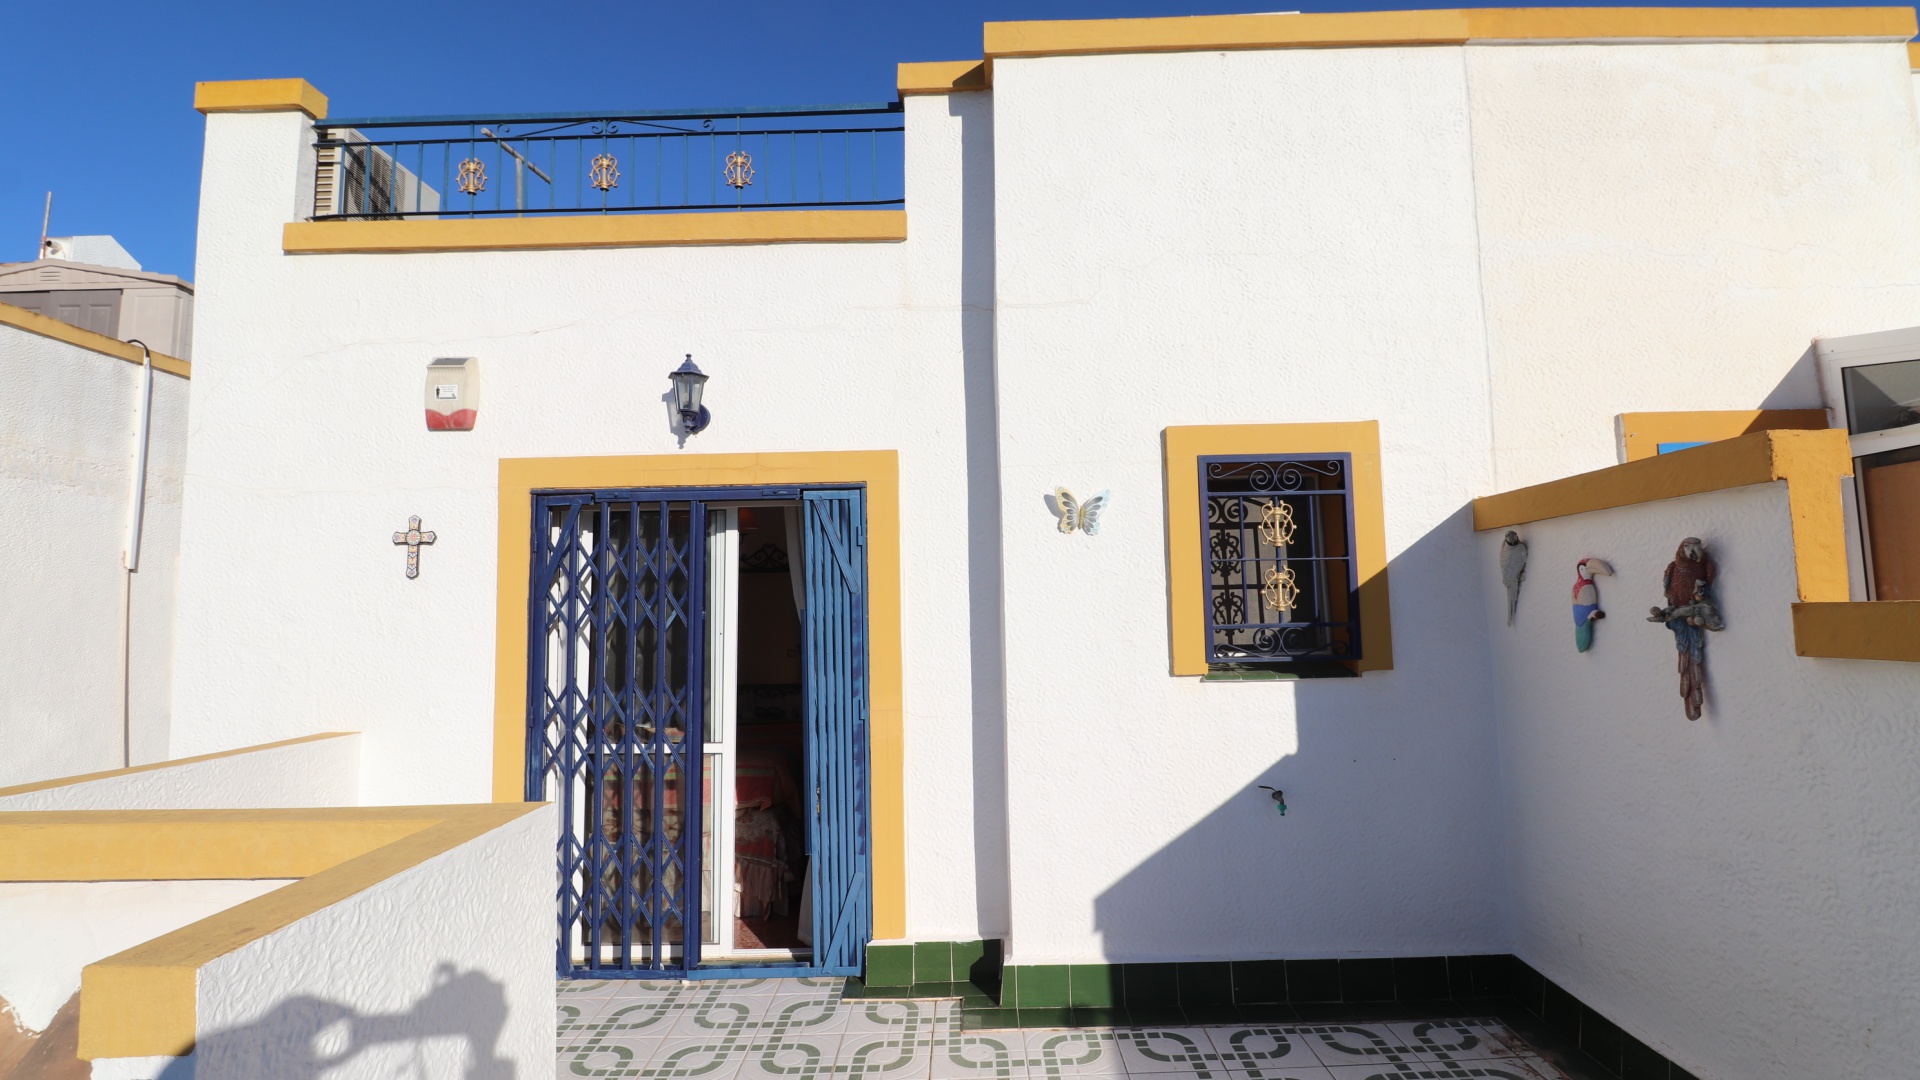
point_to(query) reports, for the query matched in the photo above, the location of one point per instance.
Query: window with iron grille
(1281, 585)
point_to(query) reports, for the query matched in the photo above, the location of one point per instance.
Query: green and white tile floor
(804, 1029)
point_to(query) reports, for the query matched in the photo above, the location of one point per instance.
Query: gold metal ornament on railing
(739, 171)
(605, 173)
(1276, 524)
(1280, 592)
(473, 176)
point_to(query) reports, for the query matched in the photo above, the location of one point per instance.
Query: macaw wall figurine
(1586, 600)
(1513, 567)
(1690, 613)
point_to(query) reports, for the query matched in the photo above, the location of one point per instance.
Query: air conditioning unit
(356, 178)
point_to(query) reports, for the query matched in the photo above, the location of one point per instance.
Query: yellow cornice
(35, 323)
(85, 778)
(1811, 462)
(1913, 56)
(142, 1002)
(260, 95)
(596, 231)
(944, 77)
(1642, 432)
(1881, 630)
(1444, 27)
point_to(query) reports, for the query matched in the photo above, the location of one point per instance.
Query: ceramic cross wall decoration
(413, 538)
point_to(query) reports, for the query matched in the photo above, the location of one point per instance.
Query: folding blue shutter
(836, 704)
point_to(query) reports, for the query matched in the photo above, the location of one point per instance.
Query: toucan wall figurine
(1513, 567)
(1586, 600)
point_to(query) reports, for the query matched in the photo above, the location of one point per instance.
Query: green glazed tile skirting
(935, 963)
(1222, 983)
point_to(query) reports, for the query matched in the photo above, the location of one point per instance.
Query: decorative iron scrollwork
(605, 173)
(739, 171)
(1276, 524)
(473, 176)
(1280, 592)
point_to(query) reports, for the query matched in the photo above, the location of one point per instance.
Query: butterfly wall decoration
(1075, 514)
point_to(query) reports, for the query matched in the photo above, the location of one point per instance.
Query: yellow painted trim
(1184, 446)
(194, 845)
(878, 469)
(1913, 56)
(943, 77)
(1443, 27)
(35, 323)
(1811, 463)
(87, 778)
(260, 95)
(1641, 433)
(1880, 630)
(142, 1002)
(597, 231)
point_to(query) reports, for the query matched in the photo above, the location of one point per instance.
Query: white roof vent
(97, 250)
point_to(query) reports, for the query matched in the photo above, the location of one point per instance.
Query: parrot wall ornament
(1513, 568)
(1690, 613)
(1586, 600)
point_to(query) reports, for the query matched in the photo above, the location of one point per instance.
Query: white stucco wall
(67, 423)
(1668, 227)
(320, 772)
(1736, 892)
(52, 929)
(442, 971)
(308, 452)
(1221, 238)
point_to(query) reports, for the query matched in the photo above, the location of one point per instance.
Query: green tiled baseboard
(1224, 984)
(935, 963)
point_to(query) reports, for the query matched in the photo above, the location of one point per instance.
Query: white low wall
(49, 930)
(319, 770)
(67, 417)
(444, 970)
(1736, 892)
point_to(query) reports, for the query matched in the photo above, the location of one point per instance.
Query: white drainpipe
(136, 516)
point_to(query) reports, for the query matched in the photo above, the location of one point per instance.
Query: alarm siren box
(453, 393)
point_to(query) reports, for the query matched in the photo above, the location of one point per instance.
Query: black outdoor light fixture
(688, 384)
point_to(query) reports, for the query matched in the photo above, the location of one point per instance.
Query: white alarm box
(453, 393)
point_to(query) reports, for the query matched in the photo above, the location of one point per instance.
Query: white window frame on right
(1834, 357)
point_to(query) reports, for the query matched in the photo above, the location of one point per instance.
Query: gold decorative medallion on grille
(605, 173)
(1276, 524)
(473, 176)
(739, 169)
(1280, 592)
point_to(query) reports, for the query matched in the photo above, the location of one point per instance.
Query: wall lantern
(688, 384)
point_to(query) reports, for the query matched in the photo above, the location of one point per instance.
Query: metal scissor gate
(617, 690)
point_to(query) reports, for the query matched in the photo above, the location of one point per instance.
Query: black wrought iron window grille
(1277, 535)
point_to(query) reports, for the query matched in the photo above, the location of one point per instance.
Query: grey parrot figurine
(1513, 567)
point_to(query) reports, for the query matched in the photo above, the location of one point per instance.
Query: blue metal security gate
(834, 643)
(615, 714)
(615, 694)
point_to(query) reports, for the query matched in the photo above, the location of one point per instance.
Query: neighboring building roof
(64, 274)
(100, 250)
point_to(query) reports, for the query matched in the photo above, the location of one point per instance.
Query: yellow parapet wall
(596, 230)
(141, 1002)
(943, 77)
(35, 323)
(1445, 27)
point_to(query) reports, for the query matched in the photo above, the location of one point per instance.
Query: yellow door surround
(879, 470)
(1184, 446)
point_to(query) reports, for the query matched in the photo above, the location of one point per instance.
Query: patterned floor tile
(1183, 1051)
(1356, 1044)
(987, 1055)
(1067, 1054)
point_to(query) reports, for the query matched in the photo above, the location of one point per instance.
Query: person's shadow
(303, 1037)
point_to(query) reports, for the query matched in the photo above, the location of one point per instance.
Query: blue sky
(99, 97)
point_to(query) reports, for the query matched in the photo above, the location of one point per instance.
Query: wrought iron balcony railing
(627, 162)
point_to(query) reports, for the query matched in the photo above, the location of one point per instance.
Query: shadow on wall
(453, 1031)
(1391, 841)
(1799, 388)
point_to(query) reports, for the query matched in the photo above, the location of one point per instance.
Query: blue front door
(615, 723)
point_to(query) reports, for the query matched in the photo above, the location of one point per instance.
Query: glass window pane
(1882, 396)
